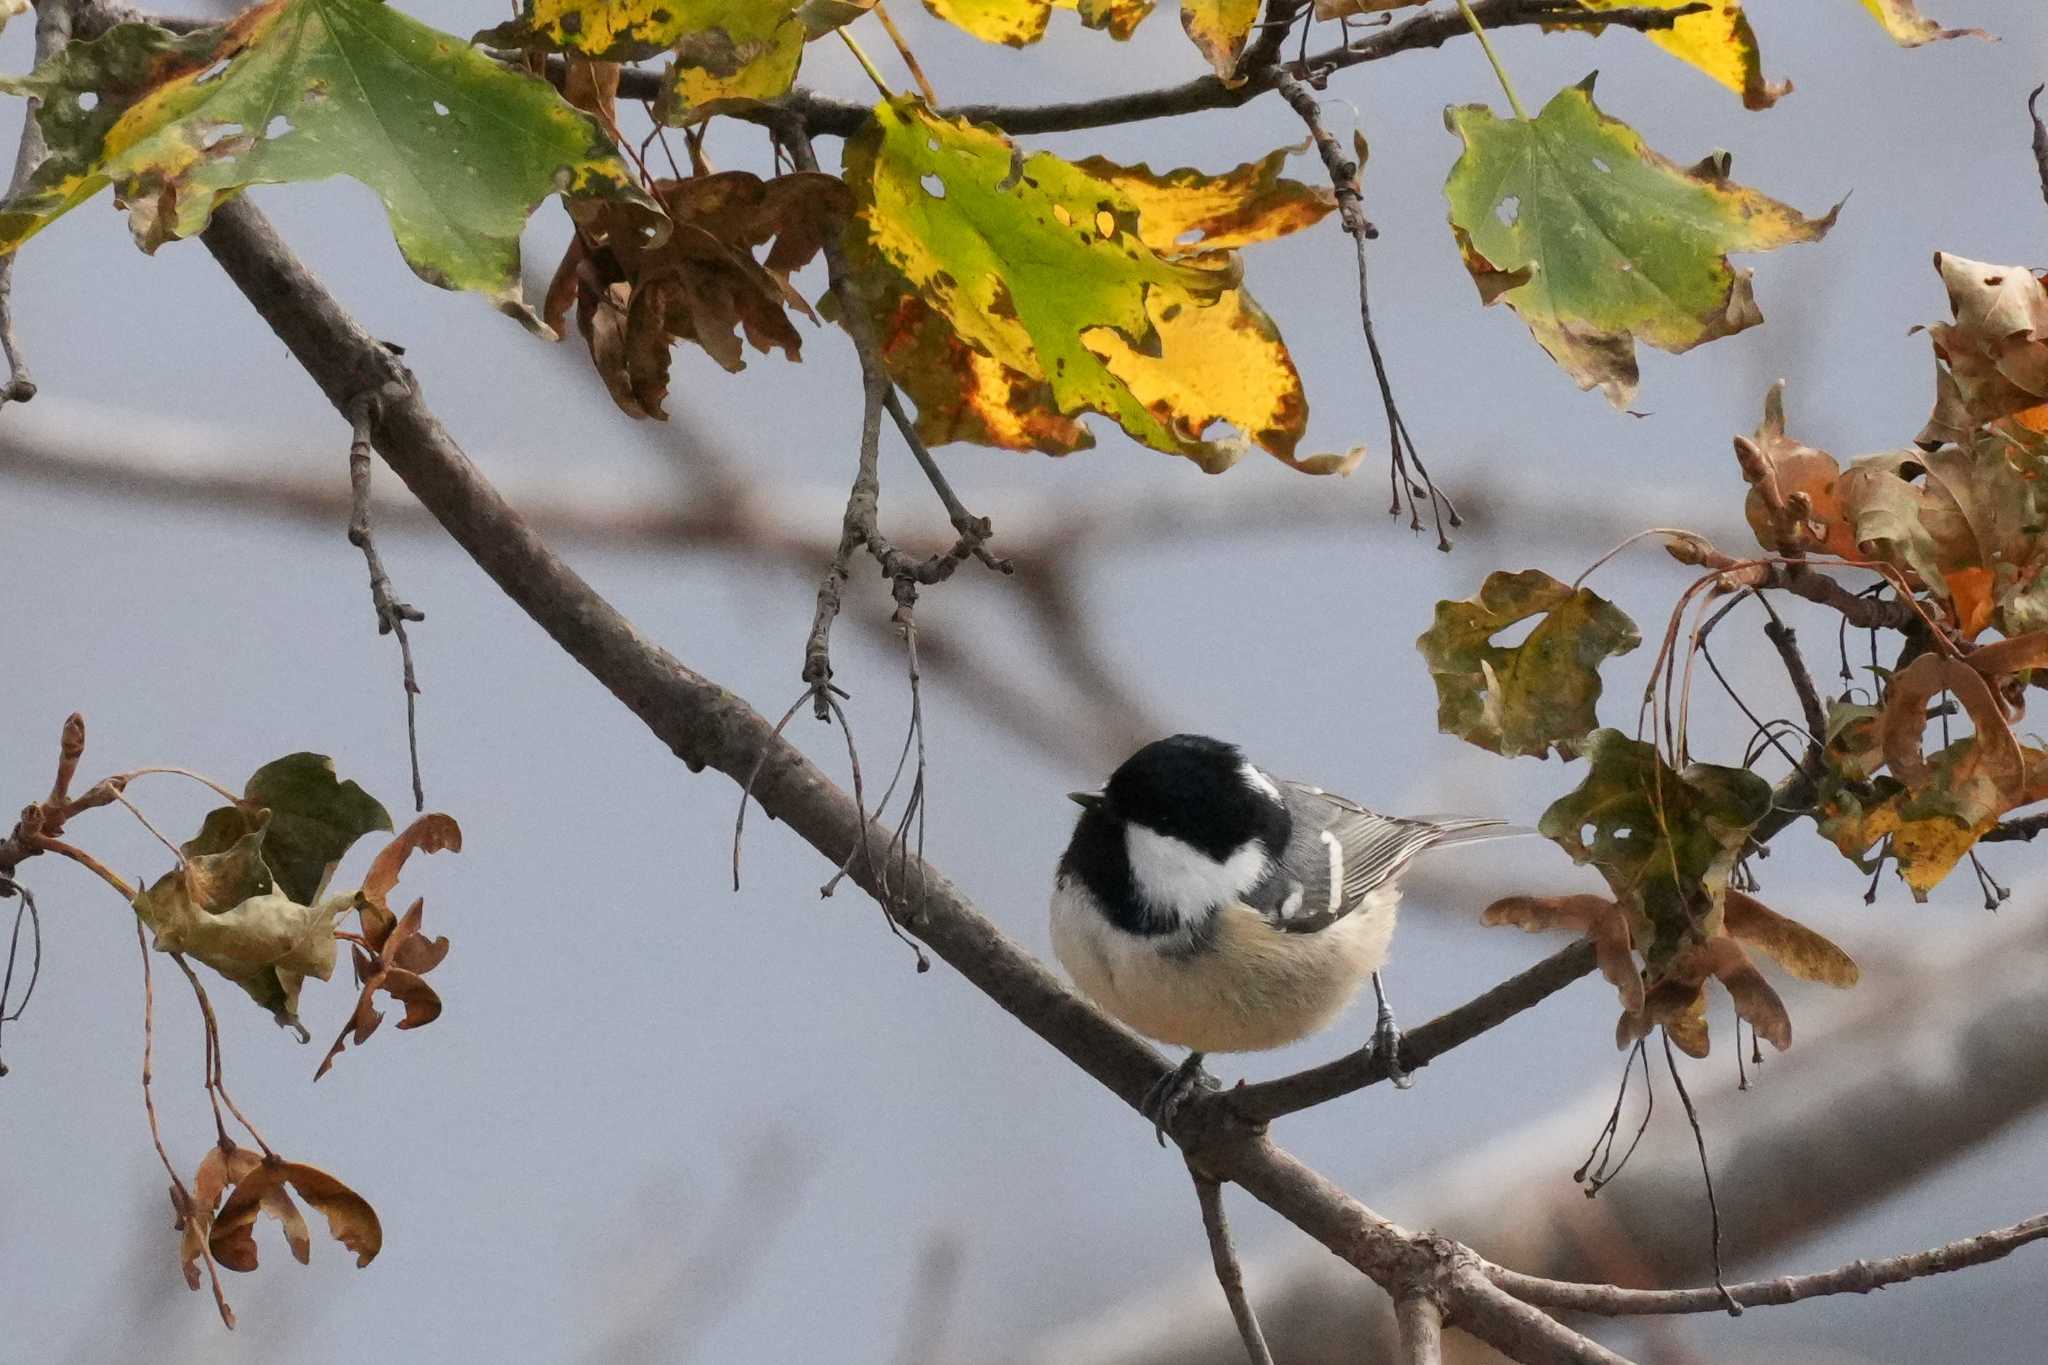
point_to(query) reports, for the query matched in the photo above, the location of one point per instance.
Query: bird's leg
(1164, 1100)
(1386, 1039)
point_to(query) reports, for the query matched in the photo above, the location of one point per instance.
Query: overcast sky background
(624, 1036)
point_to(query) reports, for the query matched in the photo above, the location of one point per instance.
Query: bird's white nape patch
(1258, 781)
(1173, 877)
(1336, 849)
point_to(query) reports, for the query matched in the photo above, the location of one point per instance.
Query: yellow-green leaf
(1908, 27)
(1047, 269)
(460, 149)
(1118, 18)
(1531, 697)
(1598, 242)
(1718, 40)
(1220, 28)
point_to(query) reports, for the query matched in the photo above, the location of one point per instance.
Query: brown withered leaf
(1993, 359)
(1798, 949)
(267, 1188)
(1597, 917)
(430, 833)
(1678, 1000)
(404, 955)
(1795, 502)
(637, 294)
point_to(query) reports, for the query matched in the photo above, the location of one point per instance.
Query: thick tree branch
(707, 726)
(1270, 1100)
(1857, 1277)
(1421, 1324)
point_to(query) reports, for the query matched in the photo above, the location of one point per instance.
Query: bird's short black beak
(1086, 800)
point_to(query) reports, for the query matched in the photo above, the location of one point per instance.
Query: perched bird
(1209, 905)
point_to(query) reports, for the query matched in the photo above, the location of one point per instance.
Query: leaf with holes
(460, 149)
(1598, 242)
(1052, 273)
(1908, 27)
(1717, 40)
(1532, 697)
(1664, 838)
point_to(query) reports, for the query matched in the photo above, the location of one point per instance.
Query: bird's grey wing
(1339, 853)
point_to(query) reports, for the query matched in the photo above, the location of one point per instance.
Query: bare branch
(708, 726)
(392, 614)
(1857, 1277)
(53, 31)
(2040, 140)
(1270, 1100)
(1401, 449)
(1228, 1273)
(838, 118)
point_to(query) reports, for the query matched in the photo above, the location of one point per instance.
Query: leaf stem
(931, 96)
(88, 862)
(865, 64)
(1500, 72)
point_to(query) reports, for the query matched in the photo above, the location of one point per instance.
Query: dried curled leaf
(1992, 360)
(1908, 27)
(1598, 918)
(1531, 697)
(243, 901)
(1599, 242)
(266, 1186)
(1798, 949)
(400, 954)
(1795, 500)
(637, 295)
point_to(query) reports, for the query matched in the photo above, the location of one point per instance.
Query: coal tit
(1209, 905)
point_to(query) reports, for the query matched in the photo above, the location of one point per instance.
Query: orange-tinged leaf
(1795, 499)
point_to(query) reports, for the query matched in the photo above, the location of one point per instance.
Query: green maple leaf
(460, 149)
(1598, 242)
(1532, 697)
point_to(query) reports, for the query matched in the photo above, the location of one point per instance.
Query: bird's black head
(1198, 792)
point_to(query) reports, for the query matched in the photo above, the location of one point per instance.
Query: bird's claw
(1167, 1097)
(1386, 1039)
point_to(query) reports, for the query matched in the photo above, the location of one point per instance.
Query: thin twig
(85, 860)
(1699, 1139)
(1229, 1273)
(1270, 1100)
(1351, 211)
(392, 614)
(824, 117)
(924, 86)
(2040, 140)
(187, 1207)
(1857, 1277)
(53, 31)
(11, 888)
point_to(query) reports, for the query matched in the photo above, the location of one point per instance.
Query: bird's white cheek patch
(1171, 875)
